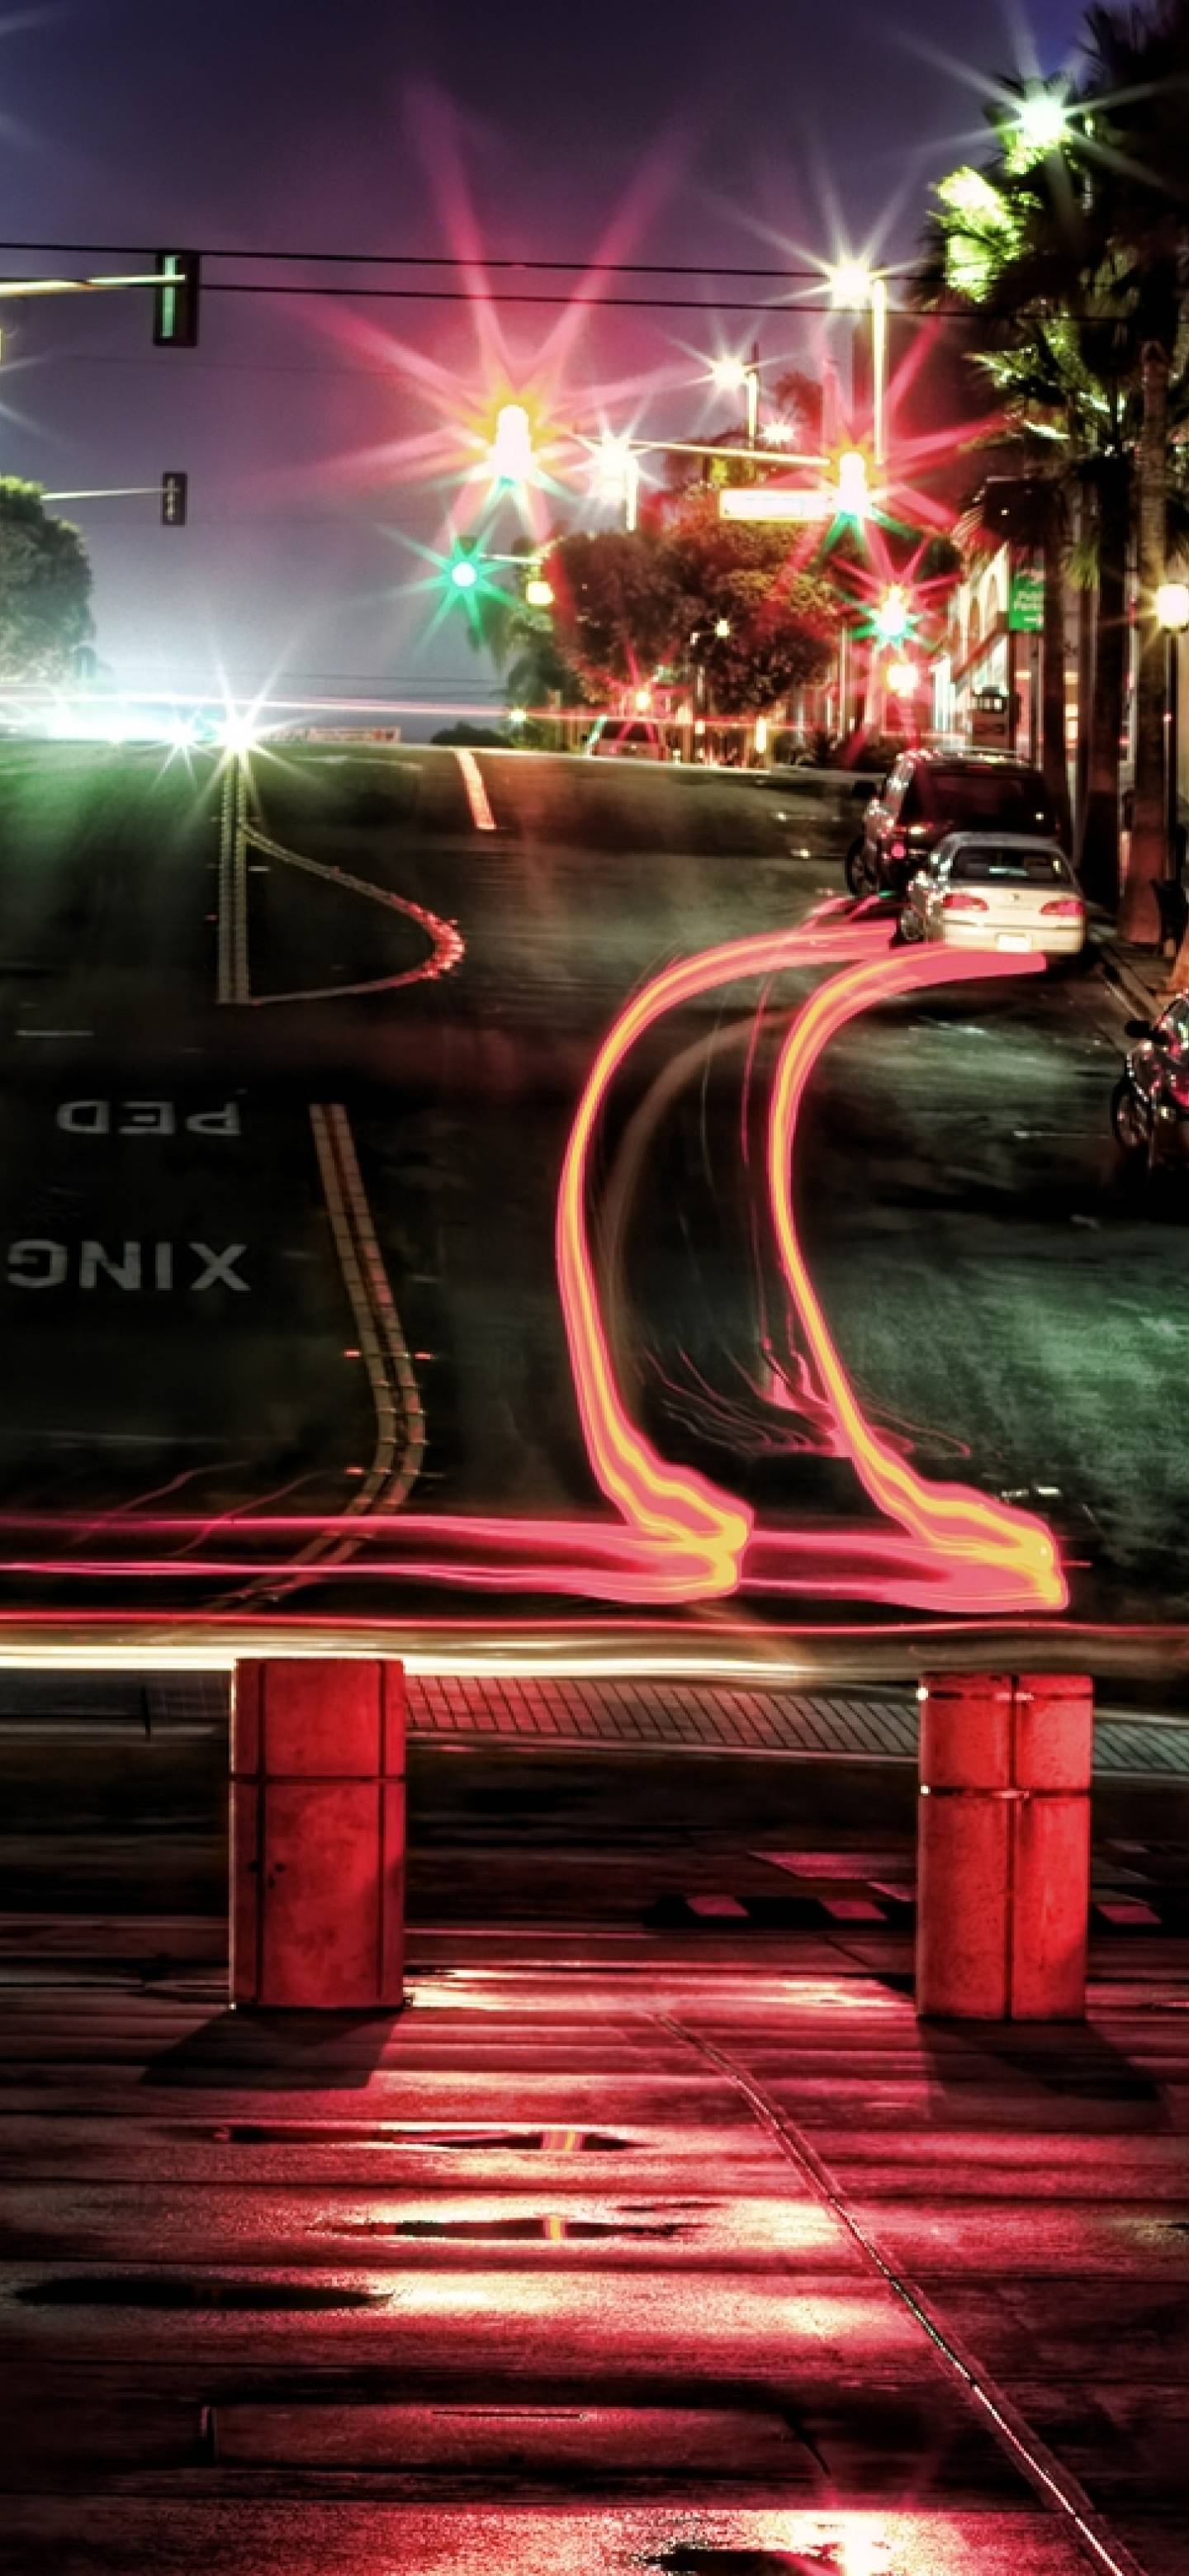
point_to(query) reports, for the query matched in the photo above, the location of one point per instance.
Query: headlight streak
(704, 1531)
(1001, 1544)
(678, 1538)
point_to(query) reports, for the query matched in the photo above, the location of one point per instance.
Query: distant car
(626, 738)
(984, 890)
(819, 810)
(930, 794)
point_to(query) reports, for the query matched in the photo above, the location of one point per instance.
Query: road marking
(477, 796)
(446, 944)
(395, 1393)
(239, 833)
(223, 977)
(55, 1033)
(1048, 2476)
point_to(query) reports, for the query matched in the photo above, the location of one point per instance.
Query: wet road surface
(291, 1051)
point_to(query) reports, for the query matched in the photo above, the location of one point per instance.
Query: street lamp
(853, 495)
(891, 619)
(1042, 121)
(617, 475)
(1172, 613)
(741, 375)
(854, 287)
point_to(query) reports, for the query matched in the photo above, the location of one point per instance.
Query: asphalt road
(275, 1244)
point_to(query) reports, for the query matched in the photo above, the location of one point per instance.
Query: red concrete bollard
(318, 1834)
(1003, 1875)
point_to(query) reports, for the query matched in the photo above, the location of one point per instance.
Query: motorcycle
(1150, 1101)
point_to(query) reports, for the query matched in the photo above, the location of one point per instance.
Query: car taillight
(963, 903)
(1065, 907)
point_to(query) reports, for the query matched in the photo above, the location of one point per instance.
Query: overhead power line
(818, 271)
(518, 295)
(554, 298)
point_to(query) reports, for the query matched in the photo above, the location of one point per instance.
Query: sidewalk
(1140, 976)
(651, 1715)
(674, 2264)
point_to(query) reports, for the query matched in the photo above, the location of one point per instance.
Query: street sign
(1026, 603)
(992, 719)
(779, 501)
(175, 489)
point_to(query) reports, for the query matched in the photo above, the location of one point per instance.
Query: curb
(1129, 983)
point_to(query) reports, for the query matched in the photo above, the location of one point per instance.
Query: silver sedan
(996, 890)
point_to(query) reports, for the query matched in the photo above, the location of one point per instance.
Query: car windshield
(1014, 800)
(1009, 867)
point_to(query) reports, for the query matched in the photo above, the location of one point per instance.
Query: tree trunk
(1054, 757)
(1139, 919)
(1085, 669)
(1098, 859)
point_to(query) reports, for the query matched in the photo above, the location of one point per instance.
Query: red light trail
(678, 1537)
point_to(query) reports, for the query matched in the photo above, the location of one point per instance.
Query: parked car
(1150, 1102)
(626, 738)
(932, 793)
(983, 890)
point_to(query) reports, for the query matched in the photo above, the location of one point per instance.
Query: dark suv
(930, 793)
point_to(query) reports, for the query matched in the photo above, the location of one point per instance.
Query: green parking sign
(1026, 603)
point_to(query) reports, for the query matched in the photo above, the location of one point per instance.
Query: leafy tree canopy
(45, 588)
(630, 604)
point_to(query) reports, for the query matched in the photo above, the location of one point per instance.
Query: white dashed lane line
(477, 796)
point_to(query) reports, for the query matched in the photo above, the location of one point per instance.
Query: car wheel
(856, 871)
(1130, 1131)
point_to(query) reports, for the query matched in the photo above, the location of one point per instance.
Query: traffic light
(464, 571)
(175, 300)
(512, 446)
(175, 492)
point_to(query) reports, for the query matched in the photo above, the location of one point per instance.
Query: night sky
(319, 452)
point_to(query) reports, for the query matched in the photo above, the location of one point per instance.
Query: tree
(615, 606)
(45, 588)
(1034, 262)
(782, 620)
(630, 604)
(536, 668)
(1140, 86)
(1073, 250)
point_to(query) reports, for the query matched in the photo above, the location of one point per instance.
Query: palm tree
(1029, 268)
(1139, 83)
(1077, 249)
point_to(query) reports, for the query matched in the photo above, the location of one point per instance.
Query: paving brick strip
(650, 1714)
